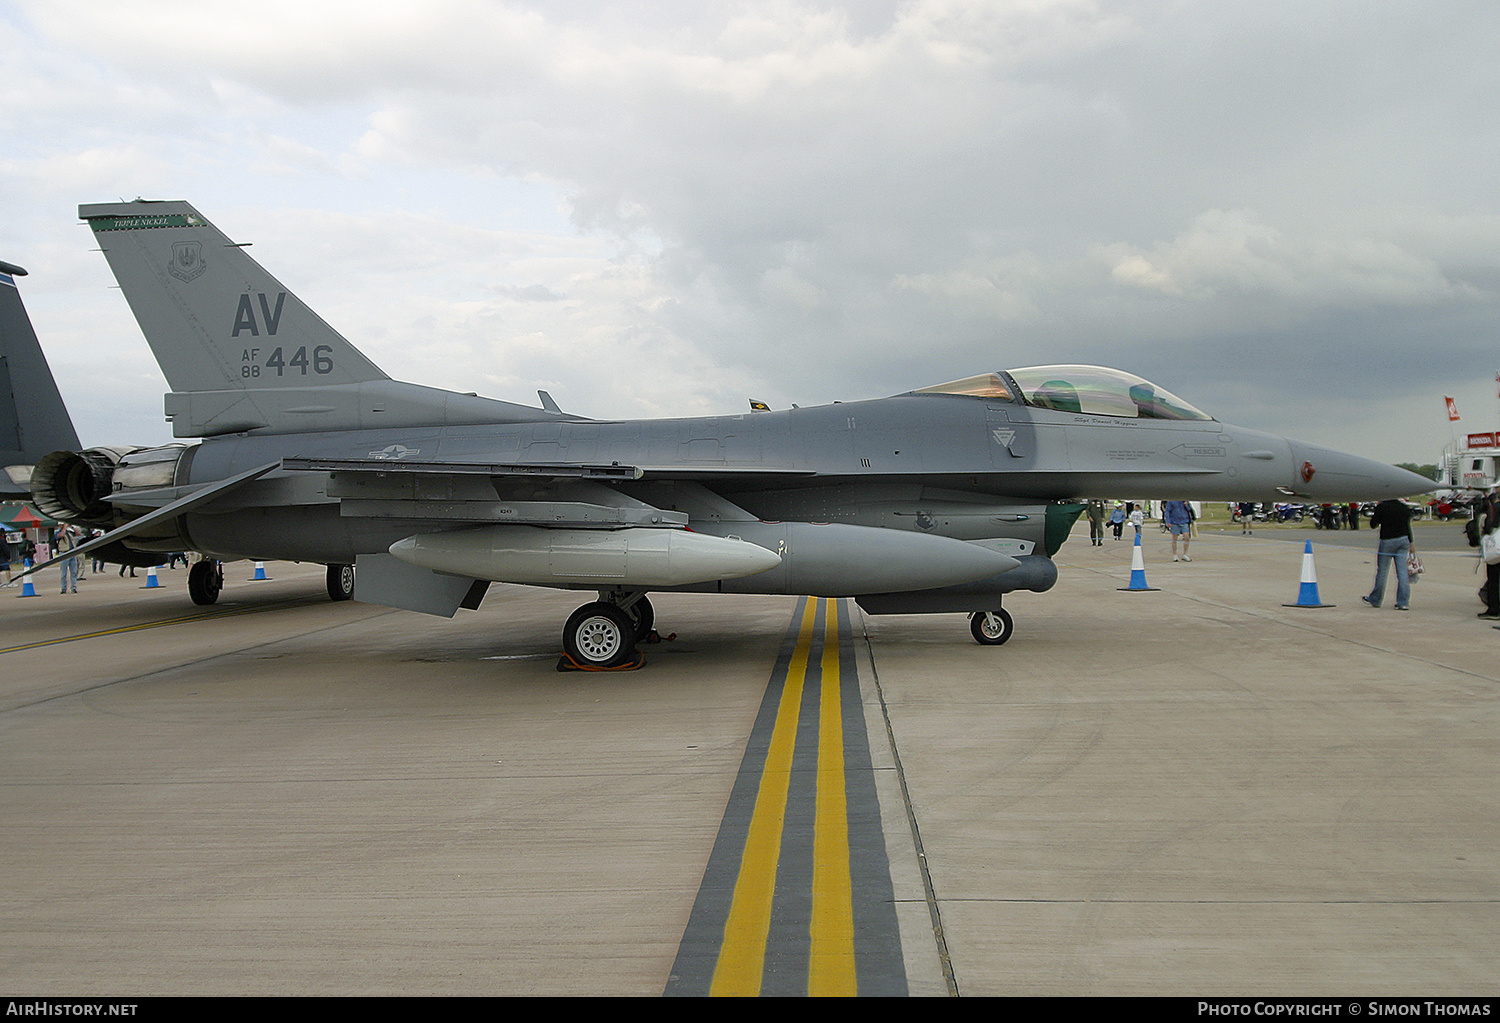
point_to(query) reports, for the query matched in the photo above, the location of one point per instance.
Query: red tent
(23, 516)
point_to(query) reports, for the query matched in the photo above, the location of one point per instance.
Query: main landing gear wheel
(991, 628)
(205, 580)
(340, 582)
(600, 635)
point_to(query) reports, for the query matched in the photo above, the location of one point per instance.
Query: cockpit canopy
(1091, 390)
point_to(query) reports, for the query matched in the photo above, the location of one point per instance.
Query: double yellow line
(831, 966)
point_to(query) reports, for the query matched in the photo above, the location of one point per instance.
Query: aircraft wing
(532, 470)
(554, 494)
(475, 514)
(613, 472)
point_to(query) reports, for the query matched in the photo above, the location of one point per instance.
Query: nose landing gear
(991, 628)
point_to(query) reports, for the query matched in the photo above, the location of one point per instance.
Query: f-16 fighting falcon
(939, 500)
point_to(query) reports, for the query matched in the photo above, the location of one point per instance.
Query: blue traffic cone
(1307, 594)
(260, 571)
(151, 581)
(1137, 569)
(28, 589)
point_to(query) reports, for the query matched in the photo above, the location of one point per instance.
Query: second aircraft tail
(33, 419)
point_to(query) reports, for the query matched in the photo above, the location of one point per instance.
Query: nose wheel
(991, 628)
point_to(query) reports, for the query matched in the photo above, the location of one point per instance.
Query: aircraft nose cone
(1332, 475)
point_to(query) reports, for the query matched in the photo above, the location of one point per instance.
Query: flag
(759, 406)
(1453, 407)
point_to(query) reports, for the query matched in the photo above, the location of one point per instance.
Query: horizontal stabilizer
(144, 522)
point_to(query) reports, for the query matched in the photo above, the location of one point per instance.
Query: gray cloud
(1269, 207)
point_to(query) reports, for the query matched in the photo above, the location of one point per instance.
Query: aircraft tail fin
(243, 353)
(33, 419)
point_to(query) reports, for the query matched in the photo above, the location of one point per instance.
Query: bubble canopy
(1090, 390)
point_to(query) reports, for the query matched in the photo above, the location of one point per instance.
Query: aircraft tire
(340, 582)
(599, 635)
(994, 632)
(205, 580)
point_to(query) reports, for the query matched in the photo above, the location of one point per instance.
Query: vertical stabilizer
(240, 351)
(215, 319)
(33, 420)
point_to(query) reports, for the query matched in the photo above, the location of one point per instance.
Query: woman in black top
(1393, 519)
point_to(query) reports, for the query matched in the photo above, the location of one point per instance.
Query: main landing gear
(205, 580)
(991, 628)
(340, 582)
(604, 634)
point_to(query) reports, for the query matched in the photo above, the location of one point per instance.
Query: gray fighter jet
(942, 499)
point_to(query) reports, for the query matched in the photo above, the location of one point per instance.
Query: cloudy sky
(1286, 211)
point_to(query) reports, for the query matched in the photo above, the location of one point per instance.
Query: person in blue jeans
(1393, 519)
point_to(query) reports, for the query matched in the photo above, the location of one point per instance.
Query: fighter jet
(939, 500)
